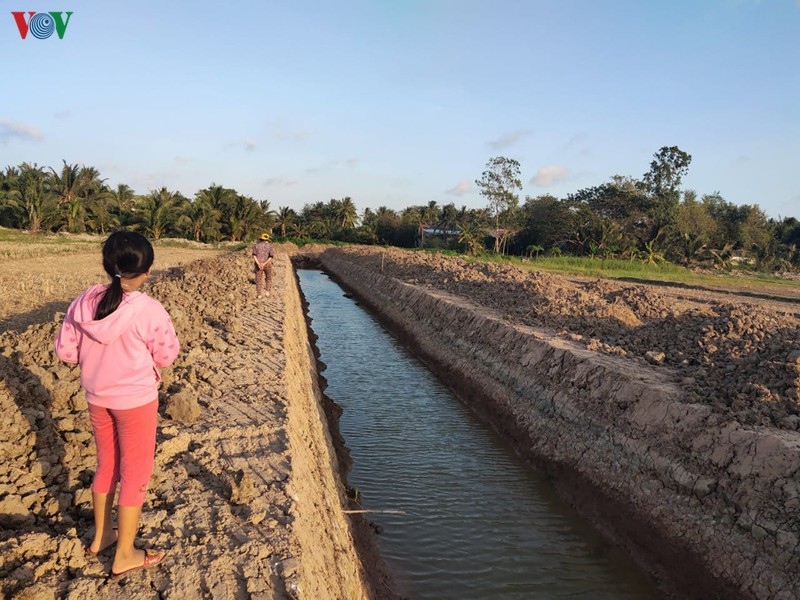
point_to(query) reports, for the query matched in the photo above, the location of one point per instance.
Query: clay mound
(738, 357)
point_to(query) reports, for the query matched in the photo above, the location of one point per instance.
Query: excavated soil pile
(245, 476)
(669, 417)
(741, 357)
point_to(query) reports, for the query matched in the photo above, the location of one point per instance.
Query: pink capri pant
(126, 448)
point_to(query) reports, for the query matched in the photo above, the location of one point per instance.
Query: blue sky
(397, 103)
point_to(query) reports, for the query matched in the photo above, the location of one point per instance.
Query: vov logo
(41, 25)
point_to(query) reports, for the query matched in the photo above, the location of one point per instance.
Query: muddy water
(461, 516)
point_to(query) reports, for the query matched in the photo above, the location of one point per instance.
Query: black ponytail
(125, 254)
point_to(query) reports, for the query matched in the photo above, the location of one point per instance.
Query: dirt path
(32, 289)
(778, 298)
(230, 500)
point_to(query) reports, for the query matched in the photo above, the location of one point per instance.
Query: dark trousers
(267, 271)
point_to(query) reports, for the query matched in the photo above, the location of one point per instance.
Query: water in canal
(463, 517)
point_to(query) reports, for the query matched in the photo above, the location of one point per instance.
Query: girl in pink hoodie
(120, 337)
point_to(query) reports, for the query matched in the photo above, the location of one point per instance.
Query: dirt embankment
(673, 424)
(244, 498)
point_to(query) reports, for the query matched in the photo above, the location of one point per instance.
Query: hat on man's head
(265, 236)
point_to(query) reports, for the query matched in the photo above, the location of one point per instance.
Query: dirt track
(245, 476)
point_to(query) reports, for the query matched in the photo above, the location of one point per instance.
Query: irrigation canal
(462, 516)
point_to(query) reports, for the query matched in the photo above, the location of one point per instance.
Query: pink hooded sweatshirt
(119, 355)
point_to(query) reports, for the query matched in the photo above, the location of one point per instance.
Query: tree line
(77, 200)
(649, 219)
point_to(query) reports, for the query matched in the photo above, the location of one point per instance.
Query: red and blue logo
(41, 25)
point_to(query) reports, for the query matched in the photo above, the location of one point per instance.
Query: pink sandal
(151, 559)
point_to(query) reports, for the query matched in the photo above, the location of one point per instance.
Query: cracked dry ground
(739, 354)
(218, 501)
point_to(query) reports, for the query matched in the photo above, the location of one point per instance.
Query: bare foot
(99, 544)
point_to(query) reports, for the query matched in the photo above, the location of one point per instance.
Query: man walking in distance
(262, 257)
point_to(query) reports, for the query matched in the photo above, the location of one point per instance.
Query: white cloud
(10, 130)
(576, 140)
(151, 182)
(279, 181)
(509, 139)
(334, 164)
(246, 145)
(281, 132)
(547, 176)
(462, 187)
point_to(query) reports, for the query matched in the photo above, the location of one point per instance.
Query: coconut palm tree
(419, 217)
(297, 228)
(346, 213)
(103, 213)
(389, 226)
(123, 197)
(159, 211)
(429, 217)
(384, 212)
(119, 204)
(245, 219)
(448, 219)
(321, 229)
(73, 188)
(31, 195)
(201, 219)
(317, 220)
(223, 200)
(369, 225)
(286, 217)
(9, 207)
(470, 240)
(269, 215)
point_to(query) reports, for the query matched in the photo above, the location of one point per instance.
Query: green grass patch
(17, 236)
(637, 271)
(755, 282)
(15, 243)
(614, 268)
(304, 241)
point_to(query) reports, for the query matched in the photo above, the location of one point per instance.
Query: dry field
(42, 274)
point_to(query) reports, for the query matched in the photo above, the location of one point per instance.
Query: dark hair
(125, 254)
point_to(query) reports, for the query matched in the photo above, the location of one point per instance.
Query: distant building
(448, 233)
(445, 235)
